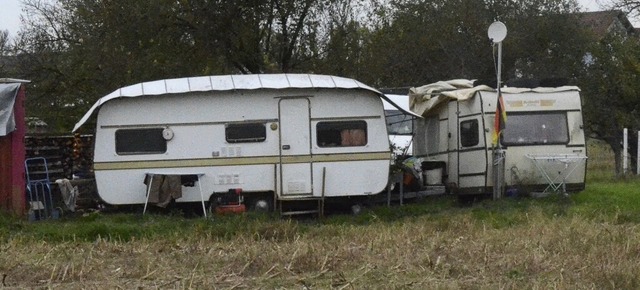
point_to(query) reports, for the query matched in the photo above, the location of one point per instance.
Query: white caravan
(279, 137)
(399, 124)
(543, 139)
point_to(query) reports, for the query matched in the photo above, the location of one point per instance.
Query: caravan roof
(228, 83)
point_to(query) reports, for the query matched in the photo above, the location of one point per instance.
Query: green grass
(614, 201)
(126, 227)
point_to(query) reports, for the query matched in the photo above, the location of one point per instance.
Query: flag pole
(499, 85)
(497, 32)
(498, 153)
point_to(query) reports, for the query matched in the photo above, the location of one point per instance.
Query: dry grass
(590, 241)
(535, 250)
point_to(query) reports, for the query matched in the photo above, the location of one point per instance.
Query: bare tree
(76, 51)
(4, 42)
(631, 7)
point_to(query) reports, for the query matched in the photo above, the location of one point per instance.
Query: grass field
(590, 240)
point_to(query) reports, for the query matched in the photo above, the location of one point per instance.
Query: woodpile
(65, 155)
(69, 157)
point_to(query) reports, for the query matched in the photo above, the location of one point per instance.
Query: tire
(261, 204)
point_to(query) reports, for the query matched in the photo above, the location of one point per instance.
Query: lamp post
(497, 32)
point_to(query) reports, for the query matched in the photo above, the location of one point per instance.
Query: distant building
(36, 126)
(603, 23)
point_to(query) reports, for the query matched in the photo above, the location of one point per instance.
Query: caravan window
(398, 123)
(140, 141)
(246, 132)
(532, 128)
(341, 133)
(431, 134)
(469, 135)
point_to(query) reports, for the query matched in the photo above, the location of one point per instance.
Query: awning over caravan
(425, 99)
(393, 101)
(227, 83)
(428, 97)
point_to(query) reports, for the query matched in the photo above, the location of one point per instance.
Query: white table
(568, 162)
(151, 174)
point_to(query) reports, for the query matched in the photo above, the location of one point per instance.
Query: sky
(10, 16)
(10, 11)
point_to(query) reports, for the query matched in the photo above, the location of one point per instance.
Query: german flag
(500, 120)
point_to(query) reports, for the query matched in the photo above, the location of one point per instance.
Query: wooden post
(324, 180)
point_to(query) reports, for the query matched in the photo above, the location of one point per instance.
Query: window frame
(338, 127)
(395, 118)
(475, 139)
(532, 125)
(136, 134)
(262, 137)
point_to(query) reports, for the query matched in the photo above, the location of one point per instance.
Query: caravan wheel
(356, 209)
(260, 204)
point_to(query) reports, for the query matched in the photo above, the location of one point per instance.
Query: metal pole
(499, 70)
(625, 148)
(497, 32)
(498, 154)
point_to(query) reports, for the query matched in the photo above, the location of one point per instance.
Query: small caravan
(278, 137)
(543, 139)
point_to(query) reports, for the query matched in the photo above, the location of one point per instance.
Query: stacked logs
(69, 157)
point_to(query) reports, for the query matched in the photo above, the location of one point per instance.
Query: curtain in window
(353, 137)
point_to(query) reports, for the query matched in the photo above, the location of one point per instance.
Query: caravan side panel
(432, 142)
(360, 167)
(542, 124)
(200, 143)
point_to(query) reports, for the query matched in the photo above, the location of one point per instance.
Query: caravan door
(295, 147)
(472, 148)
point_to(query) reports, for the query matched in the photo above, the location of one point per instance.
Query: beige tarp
(425, 99)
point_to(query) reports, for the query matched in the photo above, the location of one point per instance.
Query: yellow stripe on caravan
(351, 157)
(295, 159)
(184, 163)
(258, 160)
